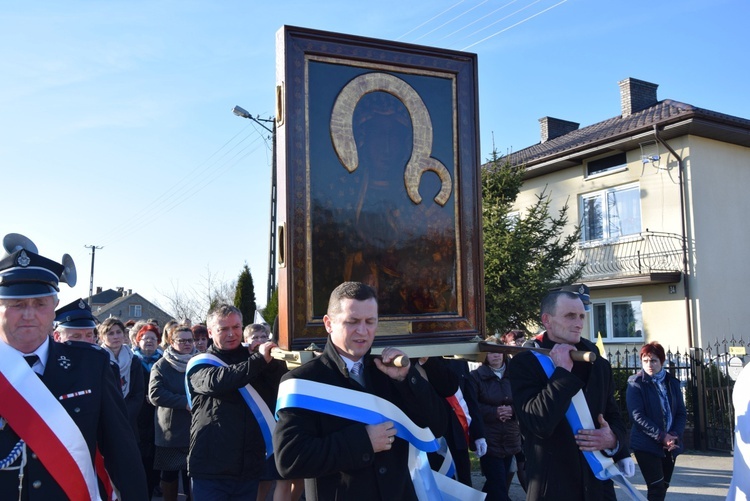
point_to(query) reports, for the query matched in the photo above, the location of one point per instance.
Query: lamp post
(241, 112)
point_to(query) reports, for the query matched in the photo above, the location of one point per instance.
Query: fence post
(699, 398)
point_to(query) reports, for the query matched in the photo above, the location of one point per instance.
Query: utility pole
(91, 282)
(240, 112)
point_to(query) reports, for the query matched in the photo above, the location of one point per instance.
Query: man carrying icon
(342, 457)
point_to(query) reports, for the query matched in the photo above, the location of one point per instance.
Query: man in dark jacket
(227, 449)
(556, 467)
(58, 401)
(343, 458)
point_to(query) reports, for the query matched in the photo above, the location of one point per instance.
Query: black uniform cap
(76, 315)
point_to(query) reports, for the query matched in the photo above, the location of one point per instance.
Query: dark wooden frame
(297, 48)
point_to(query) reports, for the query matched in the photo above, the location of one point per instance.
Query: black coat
(556, 468)
(100, 415)
(225, 438)
(166, 391)
(503, 437)
(644, 407)
(335, 454)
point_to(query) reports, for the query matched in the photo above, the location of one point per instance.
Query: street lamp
(241, 112)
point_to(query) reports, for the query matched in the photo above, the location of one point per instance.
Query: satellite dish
(69, 273)
(13, 242)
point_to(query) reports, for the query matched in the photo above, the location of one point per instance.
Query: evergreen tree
(523, 256)
(271, 310)
(244, 296)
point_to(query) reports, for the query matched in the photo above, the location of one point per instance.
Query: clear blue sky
(116, 127)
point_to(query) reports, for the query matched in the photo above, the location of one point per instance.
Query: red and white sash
(42, 422)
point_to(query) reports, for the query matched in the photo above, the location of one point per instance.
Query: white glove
(627, 467)
(481, 447)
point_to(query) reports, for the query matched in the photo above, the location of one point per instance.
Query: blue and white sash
(579, 418)
(370, 409)
(257, 406)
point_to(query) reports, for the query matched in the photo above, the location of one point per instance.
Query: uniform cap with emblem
(76, 315)
(26, 274)
(581, 289)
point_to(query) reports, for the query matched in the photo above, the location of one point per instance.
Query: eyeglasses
(185, 341)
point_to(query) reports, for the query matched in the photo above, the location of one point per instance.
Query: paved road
(697, 476)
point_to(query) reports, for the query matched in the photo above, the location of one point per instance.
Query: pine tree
(244, 296)
(271, 311)
(523, 256)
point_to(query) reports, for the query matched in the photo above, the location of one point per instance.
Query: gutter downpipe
(683, 210)
(699, 431)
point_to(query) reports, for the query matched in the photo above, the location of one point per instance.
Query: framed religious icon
(378, 182)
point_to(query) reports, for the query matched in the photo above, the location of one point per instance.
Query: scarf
(661, 387)
(124, 360)
(147, 361)
(177, 360)
(499, 372)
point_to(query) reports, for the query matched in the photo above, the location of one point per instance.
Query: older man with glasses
(255, 335)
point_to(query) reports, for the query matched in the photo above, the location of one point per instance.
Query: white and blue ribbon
(579, 418)
(447, 467)
(370, 409)
(257, 406)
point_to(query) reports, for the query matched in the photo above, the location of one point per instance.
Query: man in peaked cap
(581, 289)
(75, 322)
(58, 401)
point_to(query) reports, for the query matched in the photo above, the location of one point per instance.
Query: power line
(172, 190)
(506, 17)
(186, 187)
(514, 25)
(479, 19)
(453, 19)
(431, 19)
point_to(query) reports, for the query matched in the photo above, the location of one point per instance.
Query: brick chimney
(636, 95)
(554, 127)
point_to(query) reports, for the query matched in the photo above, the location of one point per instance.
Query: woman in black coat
(501, 426)
(657, 410)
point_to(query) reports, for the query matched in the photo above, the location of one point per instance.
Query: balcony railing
(641, 254)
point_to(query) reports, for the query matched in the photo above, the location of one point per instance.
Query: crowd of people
(109, 411)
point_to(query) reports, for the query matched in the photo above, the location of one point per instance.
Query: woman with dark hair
(167, 392)
(501, 428)
(657, 410)
(200, 335)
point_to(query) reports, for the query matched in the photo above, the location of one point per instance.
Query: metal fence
(707, 389)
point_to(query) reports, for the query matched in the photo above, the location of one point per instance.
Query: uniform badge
(81, 305)
(64, 362)
(23, 260)
(581, 290)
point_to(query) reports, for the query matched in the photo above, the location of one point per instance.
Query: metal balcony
(643, 258)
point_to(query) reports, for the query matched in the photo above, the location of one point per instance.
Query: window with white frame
(611, 213)
(135, 311)
(617, 319)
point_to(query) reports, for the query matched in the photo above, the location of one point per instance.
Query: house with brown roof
(129, 305)
(661, 196)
